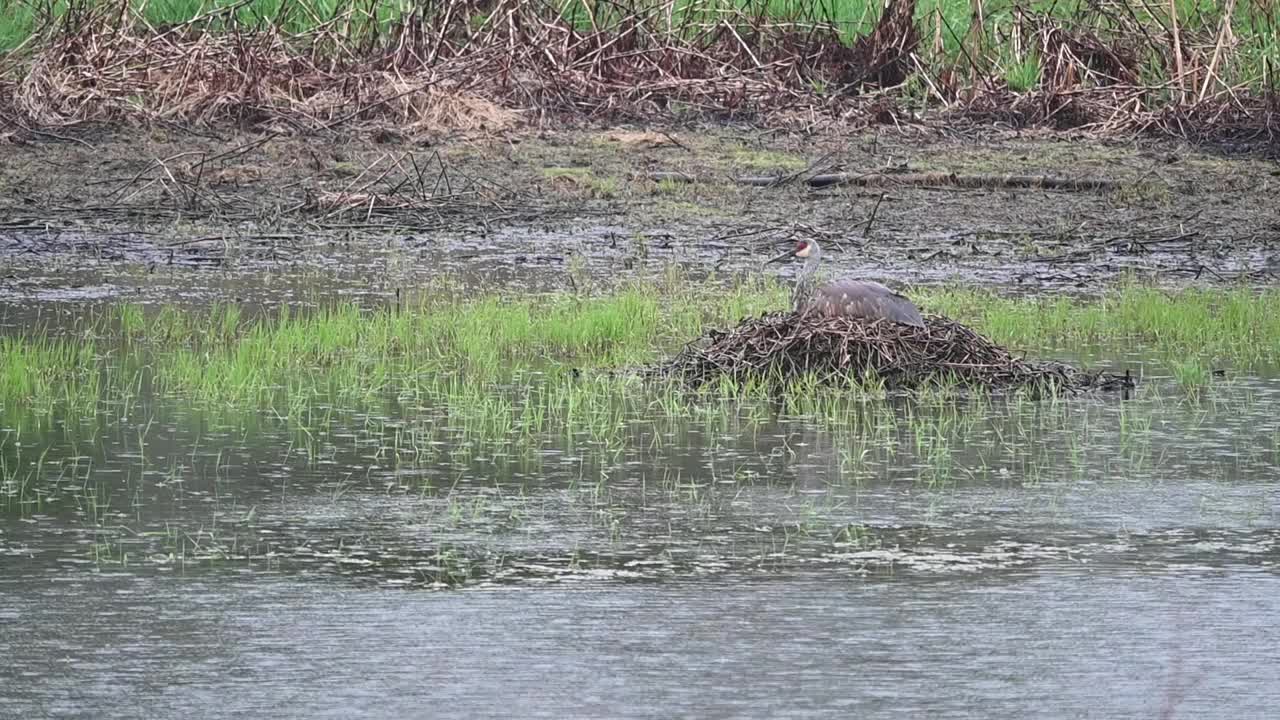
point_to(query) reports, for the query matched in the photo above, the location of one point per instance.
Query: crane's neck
(807, 281)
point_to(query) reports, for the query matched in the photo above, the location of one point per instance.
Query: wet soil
(110, 213)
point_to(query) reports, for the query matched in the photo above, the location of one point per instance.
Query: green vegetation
(1237, 326)
(495, 379)
(498, 389)
(766, 160)
(445, 352)
(362, 19)
(1022, 74)
(584, 181)
(463, 347)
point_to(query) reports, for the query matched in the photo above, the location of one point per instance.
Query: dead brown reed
(480, 65)
(1131, 80)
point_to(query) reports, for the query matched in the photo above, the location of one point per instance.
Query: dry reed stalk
(1225, 30)
(1180, 77)
(476, 64)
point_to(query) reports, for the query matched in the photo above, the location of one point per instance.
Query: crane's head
(804, 249)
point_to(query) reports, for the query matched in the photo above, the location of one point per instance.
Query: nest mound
(785, 346)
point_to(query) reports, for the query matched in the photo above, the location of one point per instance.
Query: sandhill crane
(845, 297)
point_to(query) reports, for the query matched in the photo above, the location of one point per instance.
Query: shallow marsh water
(949, 557)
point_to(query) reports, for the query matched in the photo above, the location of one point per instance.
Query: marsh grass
(491, 384)
(583, 181)
(511, 367)
(1236, 325)
(1190, 374)
(630, 446)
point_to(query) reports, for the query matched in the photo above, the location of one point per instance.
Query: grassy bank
(463, 350)
(1188, 66)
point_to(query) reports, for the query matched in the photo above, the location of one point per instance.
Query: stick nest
(786, 346)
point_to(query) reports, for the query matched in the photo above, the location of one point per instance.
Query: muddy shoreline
(158, 214)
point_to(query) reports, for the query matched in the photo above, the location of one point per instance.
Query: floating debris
(837, 350)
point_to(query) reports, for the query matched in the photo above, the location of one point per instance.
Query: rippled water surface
(1088, 557)
(1053, 641)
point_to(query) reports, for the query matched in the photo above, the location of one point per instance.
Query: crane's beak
(784, 256)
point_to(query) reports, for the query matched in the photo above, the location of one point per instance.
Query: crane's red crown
(802, 248)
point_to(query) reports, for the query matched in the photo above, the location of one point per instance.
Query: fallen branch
(942, 179)
(931, 179)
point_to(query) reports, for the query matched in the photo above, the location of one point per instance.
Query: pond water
(998, 557)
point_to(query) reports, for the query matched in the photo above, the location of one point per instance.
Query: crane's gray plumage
(846, 297)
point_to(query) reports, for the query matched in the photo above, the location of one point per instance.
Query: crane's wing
(865, 299)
